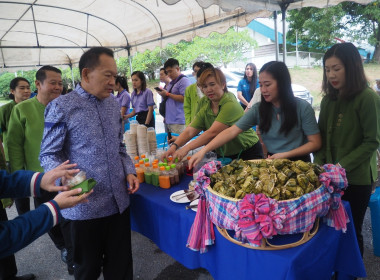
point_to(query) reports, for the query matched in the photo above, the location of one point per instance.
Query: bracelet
(167, 94)
(176, 146)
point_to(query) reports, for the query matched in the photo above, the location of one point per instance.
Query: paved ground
(150, 263)
(43, 259)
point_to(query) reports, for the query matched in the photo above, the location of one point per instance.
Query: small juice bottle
(171, 175)
(148, 173)
(136, 159)
(155, 175)
(139, 173)
(175, 172)
(179, 167)
(189, 172)
(164, 178)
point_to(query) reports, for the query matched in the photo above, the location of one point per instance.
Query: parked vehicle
(233, 79)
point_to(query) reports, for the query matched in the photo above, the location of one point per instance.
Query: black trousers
(141, 118)
(8, 268)
(254, 152)
(358, 197)
(106, 240)
(23, 206)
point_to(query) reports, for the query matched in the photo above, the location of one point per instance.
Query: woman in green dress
(20, 91)
(349, 122)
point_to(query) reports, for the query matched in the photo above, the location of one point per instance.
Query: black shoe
(70, 269)
(64, 255)
(24, 277)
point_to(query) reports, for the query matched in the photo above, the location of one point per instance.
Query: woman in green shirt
(287, 124)
(218, 110)
(349, 122)
(20, 91)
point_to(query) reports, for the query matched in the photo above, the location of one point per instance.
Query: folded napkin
(86, 185)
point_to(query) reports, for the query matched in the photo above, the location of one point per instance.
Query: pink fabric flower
(259, 217)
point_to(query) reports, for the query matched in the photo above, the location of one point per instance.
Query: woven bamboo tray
(266, 244)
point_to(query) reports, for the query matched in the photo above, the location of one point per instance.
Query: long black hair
(288, 105)
(141, 76)
(253, 82)
(122, 81)
(356, 80)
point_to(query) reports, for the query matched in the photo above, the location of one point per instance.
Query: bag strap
(179, 78)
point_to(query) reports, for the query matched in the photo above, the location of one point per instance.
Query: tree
(317, 29)
(5, 79)
(218, 49)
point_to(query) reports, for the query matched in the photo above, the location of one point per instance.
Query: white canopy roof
(56, 32)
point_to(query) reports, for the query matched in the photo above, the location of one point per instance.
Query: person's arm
(221, 139)
(314, 144)
(149, 115)
(122, 111)
(240, 93)
(54, 137)
(181, 140)
(241, 98)
(16, 132)
(368, 111)
(320, 155)
(175, 97)
(24, 229)
(130, 115)
(187, 105)
(201, 140)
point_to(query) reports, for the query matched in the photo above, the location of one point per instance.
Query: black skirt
(141, 118)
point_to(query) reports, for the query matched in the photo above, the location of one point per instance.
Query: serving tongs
(182, 195)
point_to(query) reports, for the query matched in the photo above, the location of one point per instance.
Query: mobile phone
(158, 89)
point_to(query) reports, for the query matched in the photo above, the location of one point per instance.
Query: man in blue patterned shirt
(84, 126)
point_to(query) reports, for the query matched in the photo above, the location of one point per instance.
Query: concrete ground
(150, 263)
(43, 259)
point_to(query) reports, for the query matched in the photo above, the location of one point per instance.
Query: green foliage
(318, 28)
(67, 77)
(5, 79)
(218, 49)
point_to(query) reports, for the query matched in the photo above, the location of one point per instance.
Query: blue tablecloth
(168, 224)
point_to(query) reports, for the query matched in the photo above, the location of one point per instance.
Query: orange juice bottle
(164, 178)
(136, 159)
(139, 173)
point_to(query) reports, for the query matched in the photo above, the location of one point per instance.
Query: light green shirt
(25, 131)
(5, 114)
(230, 111)
(275, 141)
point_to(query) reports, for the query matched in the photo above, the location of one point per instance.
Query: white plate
(182, 198)
(194, 202)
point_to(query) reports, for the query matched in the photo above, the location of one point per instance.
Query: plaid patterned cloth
(257, 216)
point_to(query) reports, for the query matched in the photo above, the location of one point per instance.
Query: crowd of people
(86, 127)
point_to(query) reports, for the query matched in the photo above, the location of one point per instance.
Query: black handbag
(162, 106)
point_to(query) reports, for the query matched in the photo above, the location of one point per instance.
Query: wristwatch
(176, 145)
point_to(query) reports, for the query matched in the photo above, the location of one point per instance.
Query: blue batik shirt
(87, 131)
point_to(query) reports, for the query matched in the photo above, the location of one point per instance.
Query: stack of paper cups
(152, 141)
(142, 140)
(130, 140)
(133, 126)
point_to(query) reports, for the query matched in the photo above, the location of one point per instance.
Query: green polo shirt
(230, 111)
(5, 114)
(25, 131)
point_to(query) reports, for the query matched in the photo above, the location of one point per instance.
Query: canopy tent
(40, 32)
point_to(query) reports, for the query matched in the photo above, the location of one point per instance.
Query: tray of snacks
(250, 202)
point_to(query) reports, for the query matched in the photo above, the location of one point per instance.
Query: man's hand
(162, 92)
(133, 183)
(168, 153)
(180, 154)
(63, 170)
(71, 198)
